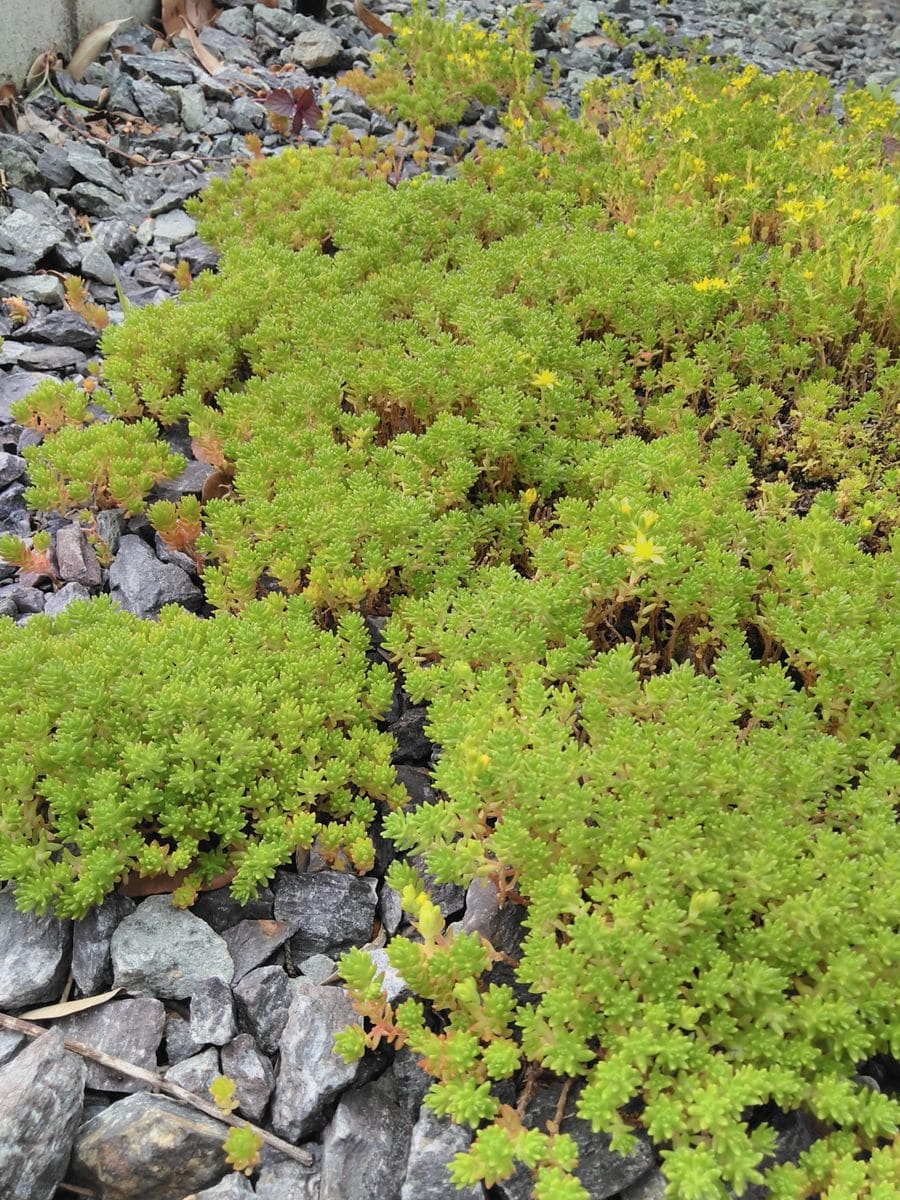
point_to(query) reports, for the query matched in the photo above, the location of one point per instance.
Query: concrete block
(91, 13)
(29, 27)
(27, 30)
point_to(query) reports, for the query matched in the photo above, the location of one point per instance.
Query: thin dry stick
(17, 1025)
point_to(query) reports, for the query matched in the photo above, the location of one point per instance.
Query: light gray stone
(254, 1079)
(194, 113)
(435, 1143)
(310, 1074)
(58, 602)
(148, 1147)
(316, 49)
(164, 951)
(41, 289)
(289, 1181)
(10, 1044)
(179, 1043)
(34, 956)
(195, 1074)
(28, 238)
(91, 936)
(651, 1187)
(212, 1013)
(365, 1147)
(12, 467)
(238, 22)
(232, 1187)
(143, 585)
(174, 227)
(91, 165)
(157, 106)
(41, 1100)
(97, 264)
(130, 1029)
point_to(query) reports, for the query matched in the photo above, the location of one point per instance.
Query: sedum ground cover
(607, 424)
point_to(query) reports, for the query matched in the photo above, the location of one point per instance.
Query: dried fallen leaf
(91, 47)
(217, 487)
(177, 15)
(372, 23)
(157, 885)
(207, 60)
(67, 1007)
(18, 309)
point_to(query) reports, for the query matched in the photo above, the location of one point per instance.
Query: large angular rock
(602, 1172)
(63, 329)
(129, 1029)
(164, 951)
(75, 557)
(435, 1143)
(58, 602)
(91, 165)
(148, 1147)
(263, 1002)
(330, 911)
(250, 943)
(143, 585)
(315, 49)
(365, 1147)
(15, 384)
(41, 1100)
(197, 1073)
(91, 937)
(310, 1073)
(218, 908)
(254, 1079)
(287, 1180)
(34, 956)
(28, 238)
(212, 1013)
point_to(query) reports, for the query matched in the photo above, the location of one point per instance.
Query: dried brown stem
(156, 1081)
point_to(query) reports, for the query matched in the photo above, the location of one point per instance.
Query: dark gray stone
(96, 201)
(91, 937)
(250, 943)
(76, 559)
(218, 907)
(254, 1079)
(156, 105)
(167, 69)
(435, 1143)
(602, 1172)
(212, 1013)
(310, 1074)
(41, 289)
(91, 165)
(409, 732)
(142, 585)
(412, 1081)
(365, 1146)
(198, 256)
(54, 166)
(17, 160)
(34, 956)
(15, 384)
(46, 358)
(179, 1043)
(97, 264)
(28, 599)
(41, 1100)
(263, 1000)
(195, 1074)
(316, 49)
(160, 950)
(10, 1044)
(232, 1187)
(63, 329)
(116, 238)
(330, 911)
(651, 1187)
(127, 1029)
(151, 1147)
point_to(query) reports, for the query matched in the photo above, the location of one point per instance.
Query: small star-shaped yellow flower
(544, 379)
(642, 549)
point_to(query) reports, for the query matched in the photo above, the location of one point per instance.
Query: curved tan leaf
(373, 23)
(91, 47)
(67, 1007)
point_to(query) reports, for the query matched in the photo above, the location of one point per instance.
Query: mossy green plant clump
(204, 747)
(607, 424)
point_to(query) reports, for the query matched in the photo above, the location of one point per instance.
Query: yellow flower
(629, 232)
(649, 517)
(529, 496)
(625, 505)
(742, 239)
(885, 211)
(710, 284)
(840, 172)
(642, 549)
(544, 379)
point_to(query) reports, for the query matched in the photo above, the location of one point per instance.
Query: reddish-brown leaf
(372, 23)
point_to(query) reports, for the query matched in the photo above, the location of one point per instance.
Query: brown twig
(156, 1081)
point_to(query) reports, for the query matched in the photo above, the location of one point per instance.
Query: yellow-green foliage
(432, 69)
(608, 424)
